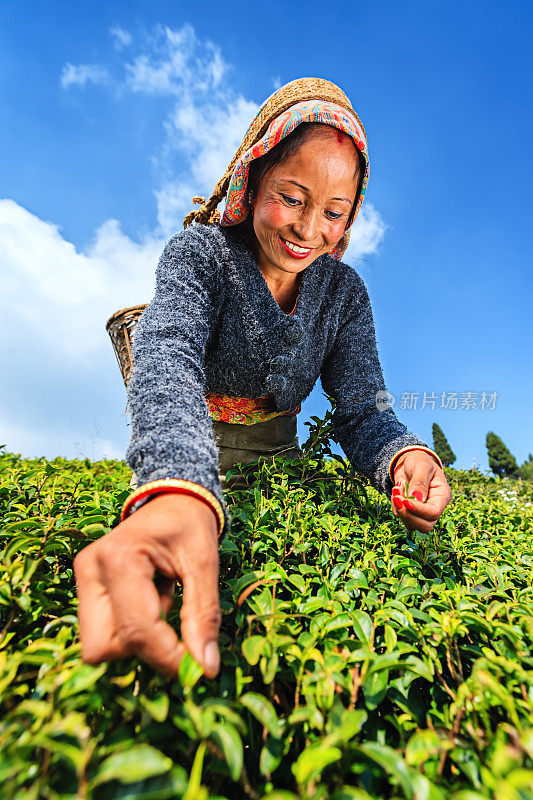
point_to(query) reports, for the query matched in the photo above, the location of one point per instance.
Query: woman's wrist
(178, 504)
(167, 486)
(399, 457)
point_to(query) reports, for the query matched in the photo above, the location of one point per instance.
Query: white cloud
(122, 38)
(207, 135)
(174, 201)
(65, 296)
(206, 120)
(366, 234)
(176, 62)
(80, 74)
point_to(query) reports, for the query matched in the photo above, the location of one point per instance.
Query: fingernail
(396, 491)
(397, 502)
(212, 657)
(417, 495)
(409, 505)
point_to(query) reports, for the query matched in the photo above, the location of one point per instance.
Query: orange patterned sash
(244, 410)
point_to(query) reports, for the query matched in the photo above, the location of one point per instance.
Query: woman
(249, 310)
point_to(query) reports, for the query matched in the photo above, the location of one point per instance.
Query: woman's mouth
(295, 250)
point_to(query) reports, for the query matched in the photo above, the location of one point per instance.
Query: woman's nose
(306, 226)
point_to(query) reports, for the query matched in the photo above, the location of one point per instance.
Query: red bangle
(395, 457)
(175, 486)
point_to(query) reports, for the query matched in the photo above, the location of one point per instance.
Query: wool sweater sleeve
(352, 374)
(172, 434)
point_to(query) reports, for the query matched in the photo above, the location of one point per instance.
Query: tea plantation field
(359, 661)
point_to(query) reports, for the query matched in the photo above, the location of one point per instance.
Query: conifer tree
(501, 460)
(526, 470)
(441, 446)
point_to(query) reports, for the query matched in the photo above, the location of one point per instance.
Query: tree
(526, 470)
(501, 460)
(441, 446)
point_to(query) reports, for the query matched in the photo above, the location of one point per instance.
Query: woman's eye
(293, 201)
(290, 200)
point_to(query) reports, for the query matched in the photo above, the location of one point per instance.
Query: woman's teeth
(295, 247)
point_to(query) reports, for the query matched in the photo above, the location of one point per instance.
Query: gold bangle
(407, 449)
(177, 485)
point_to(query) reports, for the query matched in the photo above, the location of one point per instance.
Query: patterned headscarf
(237, 206)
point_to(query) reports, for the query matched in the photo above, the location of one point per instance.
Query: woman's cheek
(275, 215)
(336, 230)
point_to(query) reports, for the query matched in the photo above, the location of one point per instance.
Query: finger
(200, 613)
(413, 525)
(413, 520)
(419, 477)
(136, 607)
(404, 509)
(397, 503)
(397, 497)
(95, 616)
(438, 497)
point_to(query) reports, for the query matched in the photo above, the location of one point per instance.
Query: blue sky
(115, 114)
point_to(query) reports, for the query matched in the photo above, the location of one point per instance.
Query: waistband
(244, 410)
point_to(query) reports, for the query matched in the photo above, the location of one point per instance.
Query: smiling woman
(307, 154)
(249, 310)
(302, 195)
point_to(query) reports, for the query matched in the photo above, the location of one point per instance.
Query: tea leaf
(313, 760)
(263, 711)
(229, 740)
(189, 671)
(135, 764)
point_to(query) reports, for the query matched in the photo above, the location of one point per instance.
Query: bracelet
(405, 450)
(175, 486)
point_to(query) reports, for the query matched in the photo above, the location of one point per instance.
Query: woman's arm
(352, 374)
(121, 607)
(171, 427)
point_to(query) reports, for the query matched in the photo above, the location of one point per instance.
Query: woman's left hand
(427, 483)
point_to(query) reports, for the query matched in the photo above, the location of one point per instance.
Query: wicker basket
(120, 328)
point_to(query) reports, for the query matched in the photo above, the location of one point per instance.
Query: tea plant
(360, 661)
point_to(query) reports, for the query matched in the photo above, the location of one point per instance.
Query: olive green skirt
(244, 443)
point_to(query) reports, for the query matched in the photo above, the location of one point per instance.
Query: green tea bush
(360, 661)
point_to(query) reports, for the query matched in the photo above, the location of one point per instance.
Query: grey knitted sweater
(214, 326)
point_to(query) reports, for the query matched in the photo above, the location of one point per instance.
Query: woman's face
(305, 203)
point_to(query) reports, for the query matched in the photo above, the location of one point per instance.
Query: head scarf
(315, 100)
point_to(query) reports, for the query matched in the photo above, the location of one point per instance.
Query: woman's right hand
(121, 609)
